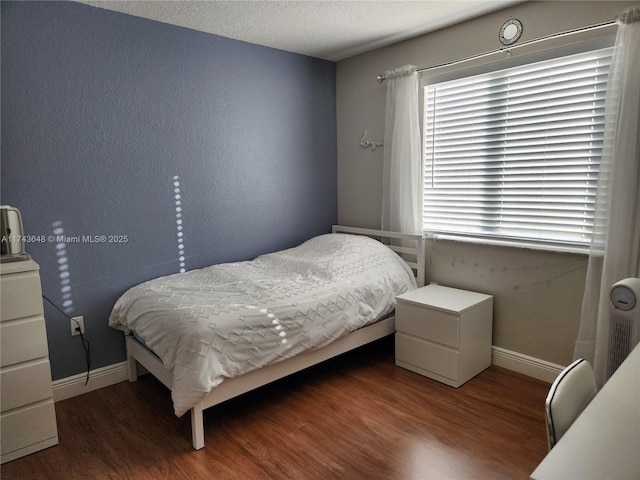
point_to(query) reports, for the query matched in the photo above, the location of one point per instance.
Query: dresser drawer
(29, 426)
(427, 356)
(21, 295)
(25, 385)
(23, 340)
(439, 327)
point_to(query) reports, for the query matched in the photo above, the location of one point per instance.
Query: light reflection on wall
(178, 202)
(63, 267)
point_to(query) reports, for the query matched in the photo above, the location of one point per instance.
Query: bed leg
(197, 427)
(132, 367)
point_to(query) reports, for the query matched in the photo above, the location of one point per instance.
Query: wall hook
(366, 143)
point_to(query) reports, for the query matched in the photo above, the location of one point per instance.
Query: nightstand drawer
(427, 356)
(437, 326)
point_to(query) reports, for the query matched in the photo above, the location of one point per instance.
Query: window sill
(557, 248)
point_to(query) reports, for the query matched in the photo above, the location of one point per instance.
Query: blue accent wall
(176, 143)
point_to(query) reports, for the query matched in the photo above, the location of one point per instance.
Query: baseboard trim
(530, 366)
(73, 386)
(110, 375)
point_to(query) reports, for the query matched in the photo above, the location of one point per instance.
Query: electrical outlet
(77, 325)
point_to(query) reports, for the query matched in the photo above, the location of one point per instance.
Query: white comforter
(225, 320)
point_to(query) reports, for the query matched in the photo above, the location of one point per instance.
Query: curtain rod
(382, 78)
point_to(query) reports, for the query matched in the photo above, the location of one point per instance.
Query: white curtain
(615, 250)
(401, 165)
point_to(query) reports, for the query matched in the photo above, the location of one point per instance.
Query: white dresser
(444, 333)
(28, 417)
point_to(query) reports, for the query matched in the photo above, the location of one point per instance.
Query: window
(513, 155)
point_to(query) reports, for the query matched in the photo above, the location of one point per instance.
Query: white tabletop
(444, 298)
(604, 441)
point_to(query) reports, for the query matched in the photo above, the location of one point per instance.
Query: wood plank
(356, 416)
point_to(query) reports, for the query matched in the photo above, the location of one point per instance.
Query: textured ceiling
(332, 30)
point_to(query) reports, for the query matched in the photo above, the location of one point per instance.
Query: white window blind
(514, 154)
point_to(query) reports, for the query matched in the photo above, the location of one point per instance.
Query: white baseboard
(116, 373)
(530, 366)
(99, 378)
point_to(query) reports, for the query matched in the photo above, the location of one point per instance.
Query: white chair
(568, 396)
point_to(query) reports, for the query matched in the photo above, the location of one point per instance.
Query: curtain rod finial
(381, 78)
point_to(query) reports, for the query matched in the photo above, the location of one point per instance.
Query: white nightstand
(444, 333)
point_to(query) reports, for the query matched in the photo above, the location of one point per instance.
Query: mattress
(229, 319)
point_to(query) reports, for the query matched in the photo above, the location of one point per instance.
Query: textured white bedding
(226, 320)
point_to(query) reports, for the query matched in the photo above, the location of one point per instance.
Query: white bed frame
(230, 388)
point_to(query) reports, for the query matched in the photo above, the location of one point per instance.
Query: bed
(215, 333)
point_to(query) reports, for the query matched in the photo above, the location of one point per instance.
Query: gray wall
(101, 111)
(538, 294)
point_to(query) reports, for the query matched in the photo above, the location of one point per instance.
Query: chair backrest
(568, 396)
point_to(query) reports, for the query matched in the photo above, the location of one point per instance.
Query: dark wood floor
(358, 416)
